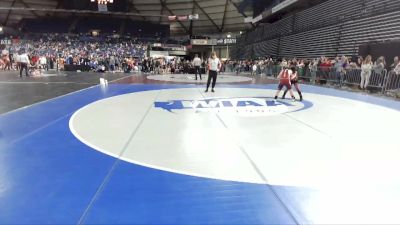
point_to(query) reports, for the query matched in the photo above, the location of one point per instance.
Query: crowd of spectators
(53, 51)
(321, 69)
(167, 65)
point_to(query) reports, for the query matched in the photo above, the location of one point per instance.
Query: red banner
(171, 18)
(181, 18)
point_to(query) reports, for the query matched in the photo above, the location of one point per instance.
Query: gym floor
(159, 150)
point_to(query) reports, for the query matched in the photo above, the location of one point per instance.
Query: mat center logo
(252, 106)
(125, 127)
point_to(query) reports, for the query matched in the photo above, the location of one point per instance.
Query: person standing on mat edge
(25, 62)
(197, 64)
(214, 65)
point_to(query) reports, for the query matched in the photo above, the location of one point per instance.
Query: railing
(381, 81)
(352, 77)
(385, 82)
(392, 84)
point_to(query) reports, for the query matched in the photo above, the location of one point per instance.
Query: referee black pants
(212, 75)
(24, 66)
(197, 71)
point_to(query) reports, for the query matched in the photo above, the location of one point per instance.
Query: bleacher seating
(327, 13)
(105, 25)
(251, 37)
(328, 29)
(279, 28)
(373, 6)
(259, 33)
(241, 50)
(53, 25)
(266, 48)
(247, 53)
(376, 28)
(84, 25)
(141, 29)
(237, 51)
(313, 43)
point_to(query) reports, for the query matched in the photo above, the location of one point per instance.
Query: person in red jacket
(285, 78)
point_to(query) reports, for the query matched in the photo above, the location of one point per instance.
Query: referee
(25, 62)
(214, 65)
(197, 64)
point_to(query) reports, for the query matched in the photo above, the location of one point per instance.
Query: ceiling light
(102, 2)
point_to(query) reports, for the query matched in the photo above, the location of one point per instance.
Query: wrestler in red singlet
(284, 80)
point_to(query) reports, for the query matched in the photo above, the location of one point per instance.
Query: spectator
(325, 69)
(43, 63)
(366, 69)
(284, 63)
(112, 63)
(360, 61)
(340, 65)
(379, 66)
(397, 69)
(313, 69)
(270, 64)
(254, 69)
(394, 64)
